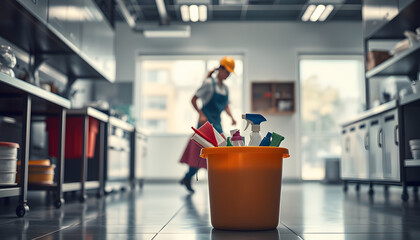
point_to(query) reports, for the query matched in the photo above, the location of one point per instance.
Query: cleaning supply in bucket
(237, 139)
(255, 120)
(229, 143)
(276, 139)
(201, 141)
(221, 141)
(266, 140)
(204, 136)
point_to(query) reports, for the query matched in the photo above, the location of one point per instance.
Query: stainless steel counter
(371, 112)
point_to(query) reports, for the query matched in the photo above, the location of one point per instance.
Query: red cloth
(191, 156)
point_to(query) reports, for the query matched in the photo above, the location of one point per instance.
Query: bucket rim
(9, 144)
(244, 149)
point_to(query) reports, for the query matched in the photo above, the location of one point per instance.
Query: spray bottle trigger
(247, 124)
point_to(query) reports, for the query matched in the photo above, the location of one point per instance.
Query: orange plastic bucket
(244, 186)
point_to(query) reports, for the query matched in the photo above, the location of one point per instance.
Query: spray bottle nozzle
(254, 119)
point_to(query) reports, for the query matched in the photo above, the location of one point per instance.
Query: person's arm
(202, 118)
(227, 109)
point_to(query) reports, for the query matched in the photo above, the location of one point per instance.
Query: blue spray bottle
(254, 120)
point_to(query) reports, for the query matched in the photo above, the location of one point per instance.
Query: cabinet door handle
(396, 135)
(348, 145)
(380, 138)
(367, 141)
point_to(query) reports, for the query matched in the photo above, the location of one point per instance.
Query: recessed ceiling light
(309, 10)
(194, 13)
(203, 13)
(185, 15)
(168, 32)
(326, 13)
(317, 13)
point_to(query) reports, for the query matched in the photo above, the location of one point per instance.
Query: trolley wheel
(345, 187)
(82, 198)
(59, 202)
(21, 210)
(404, 196)
(99, 194)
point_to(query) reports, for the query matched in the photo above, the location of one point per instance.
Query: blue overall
(215, 106)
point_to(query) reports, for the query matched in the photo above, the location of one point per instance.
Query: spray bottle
(254, 120)
(236, 139)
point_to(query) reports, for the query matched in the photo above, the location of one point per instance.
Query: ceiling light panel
(192, 2)
(202, 9)
(194, 13)
(326, 13)
(233, 2)
(185, 13)
(172, 31)
(307, 14)
(317, 13)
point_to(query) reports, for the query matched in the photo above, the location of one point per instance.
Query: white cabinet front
(391, 159)
(375, 149)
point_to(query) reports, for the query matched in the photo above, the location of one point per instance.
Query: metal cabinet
(118, 167)
(376, 13)
(141, 153)
(97, 42)
(361, 151)
(404, 3)
(375, 149)
(391, 159)
(371, 150)
(371, 12)
(354, 164)
(346, 156)
(66, 17)
(57, 15)
(38, 8)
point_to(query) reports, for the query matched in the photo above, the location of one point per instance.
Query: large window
(168, 84)
(331, 91)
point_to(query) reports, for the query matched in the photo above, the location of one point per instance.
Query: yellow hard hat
(228, 63)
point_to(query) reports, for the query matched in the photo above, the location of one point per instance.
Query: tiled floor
(166, 211)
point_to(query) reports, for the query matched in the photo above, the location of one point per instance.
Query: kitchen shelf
(407, 19)
(412, 98)
(273, 98)
(13, 88)
(19, 98)
(36, 37)
(9, 192)
(412, 162)
(404, 63)
(113, 121)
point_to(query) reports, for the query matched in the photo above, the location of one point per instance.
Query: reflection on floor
(167, 211)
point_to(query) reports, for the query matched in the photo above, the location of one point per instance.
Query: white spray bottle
(254, 120)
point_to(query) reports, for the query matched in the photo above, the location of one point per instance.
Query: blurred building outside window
(331, 91)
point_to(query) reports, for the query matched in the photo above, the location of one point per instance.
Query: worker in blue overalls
(214, 95)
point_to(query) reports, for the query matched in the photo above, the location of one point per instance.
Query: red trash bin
(74, 137)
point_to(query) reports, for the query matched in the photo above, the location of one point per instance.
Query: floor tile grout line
(63, 228)
(176, 213)
(292, 231)
(68, 226)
